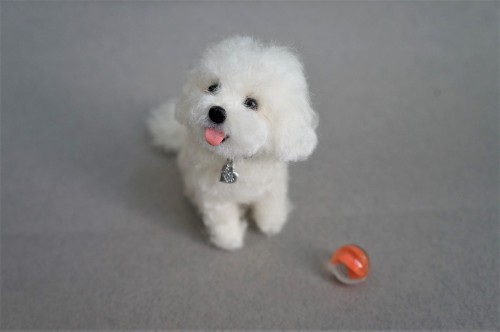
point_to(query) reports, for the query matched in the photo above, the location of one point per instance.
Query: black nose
(217, 114)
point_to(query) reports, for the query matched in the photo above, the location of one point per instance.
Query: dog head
(246, 98)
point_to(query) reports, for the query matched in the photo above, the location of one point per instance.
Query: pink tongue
(213, 136)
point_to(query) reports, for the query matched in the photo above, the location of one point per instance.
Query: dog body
(247, 103)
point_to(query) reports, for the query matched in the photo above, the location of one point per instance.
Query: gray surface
(95, 233)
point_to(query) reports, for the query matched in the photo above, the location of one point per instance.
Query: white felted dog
(244, 113)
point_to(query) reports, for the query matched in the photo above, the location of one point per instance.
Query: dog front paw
(226, 242)
(271, 228)
(229, 236)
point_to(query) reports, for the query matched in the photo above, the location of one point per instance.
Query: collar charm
(227, 174)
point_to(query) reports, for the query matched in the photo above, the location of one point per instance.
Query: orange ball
(349, 264)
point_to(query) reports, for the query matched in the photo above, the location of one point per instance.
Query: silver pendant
(227, 174)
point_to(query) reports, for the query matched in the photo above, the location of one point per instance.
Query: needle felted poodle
(243, 114)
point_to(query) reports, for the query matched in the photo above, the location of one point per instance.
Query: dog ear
(181, 114)
(295, 136)
(182, 106)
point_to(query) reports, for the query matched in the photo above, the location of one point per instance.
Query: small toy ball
(349, 264)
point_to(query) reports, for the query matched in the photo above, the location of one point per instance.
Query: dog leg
(225, 227)
(271, 212)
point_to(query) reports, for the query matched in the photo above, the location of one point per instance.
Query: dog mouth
(215, 137)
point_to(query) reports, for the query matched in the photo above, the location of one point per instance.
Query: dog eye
(213, 88)
(251, 103)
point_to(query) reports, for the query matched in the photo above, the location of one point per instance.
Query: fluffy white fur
(261, 141)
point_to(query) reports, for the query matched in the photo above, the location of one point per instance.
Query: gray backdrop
(96, 234)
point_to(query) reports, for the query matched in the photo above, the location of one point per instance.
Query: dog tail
(167, 133)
